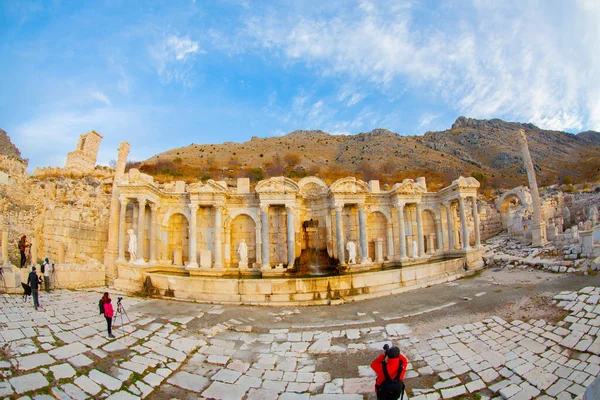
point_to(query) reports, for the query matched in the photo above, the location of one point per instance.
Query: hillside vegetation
(485, 149)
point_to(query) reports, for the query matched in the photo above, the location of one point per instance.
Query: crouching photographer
(390, 368)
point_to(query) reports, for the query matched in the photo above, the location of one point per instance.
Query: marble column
(440, 234)
(421, 240)
(339, 234)
(193, 243)
(538, 228)
(112, 247)
(140, 232)
(291, 237)
(217, 250)
(264, 222)
(153, 229)
(258, 244)
(476, 223)
(450, 219)
(122, 214)
(362, 229)
(463, 224)
(390, 241)
(401, 230)
(227, 250)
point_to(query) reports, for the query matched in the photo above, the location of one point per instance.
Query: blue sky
(167, 74)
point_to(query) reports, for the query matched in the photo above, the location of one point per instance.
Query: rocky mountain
(486, 149)
(7, 148)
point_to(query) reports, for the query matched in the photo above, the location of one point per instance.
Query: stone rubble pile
(505, 252)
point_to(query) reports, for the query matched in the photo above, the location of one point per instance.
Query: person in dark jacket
(33, 280)
(393, 359)
(108, 313)
(22, 249)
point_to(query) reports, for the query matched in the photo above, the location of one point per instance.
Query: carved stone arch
(175, 210)
(252, 214)
(209, 187)
(349, 185)
(312, 188)
(278, 184)
(522, 193)
(437, 213)
(382, 210)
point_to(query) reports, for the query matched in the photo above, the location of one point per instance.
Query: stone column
(362, 229)
(140, 232)
(390, 241)
(228, 242)
(218, 256)
(476, 223)
(258, 245)
(153, 229)
(339, 234)
(291, 236)
(4, 248)
(450, 218)
(193, 256)
(401, 230)
(121, 242)
(430, 243)
(264, 222)
(538, 228)
(112, 246)
(421, 240)
(440, 234)
(463, 224)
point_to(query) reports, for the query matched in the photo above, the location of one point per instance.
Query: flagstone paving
(61, 351)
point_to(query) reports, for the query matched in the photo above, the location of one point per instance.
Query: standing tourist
(22, 248)
(108, 313)
(47, 271)
(33, 280)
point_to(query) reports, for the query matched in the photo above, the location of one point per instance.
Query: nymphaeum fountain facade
(199, 227)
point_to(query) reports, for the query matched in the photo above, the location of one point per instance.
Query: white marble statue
(243, 252)
(132, 248)
(351, 247)
(415, 252)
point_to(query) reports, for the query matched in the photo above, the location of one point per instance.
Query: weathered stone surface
(188, 381)
(28, 383)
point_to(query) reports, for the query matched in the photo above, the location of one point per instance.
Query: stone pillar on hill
(538, 228)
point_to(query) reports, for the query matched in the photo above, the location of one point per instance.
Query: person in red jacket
(108, 313)
(394, 360)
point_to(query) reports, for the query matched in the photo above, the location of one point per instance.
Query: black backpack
(43, 268)
(391, 389)
(101, 306)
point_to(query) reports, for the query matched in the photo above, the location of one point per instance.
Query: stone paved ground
(62, 352)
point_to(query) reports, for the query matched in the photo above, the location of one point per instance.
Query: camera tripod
(119, 314)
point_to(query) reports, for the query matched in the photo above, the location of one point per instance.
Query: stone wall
(490, 220)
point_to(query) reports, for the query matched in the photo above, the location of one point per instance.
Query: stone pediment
(209, 187)
(349, 186)
(135, 177)
(312, 187)
(408, 186)
(277, 185)
(469, 182)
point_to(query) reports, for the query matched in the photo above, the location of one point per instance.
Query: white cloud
(426, 119)
(174, 56)
(101, 97)
(516, 60)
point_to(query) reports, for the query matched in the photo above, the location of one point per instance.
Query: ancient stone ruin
(280, 241)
